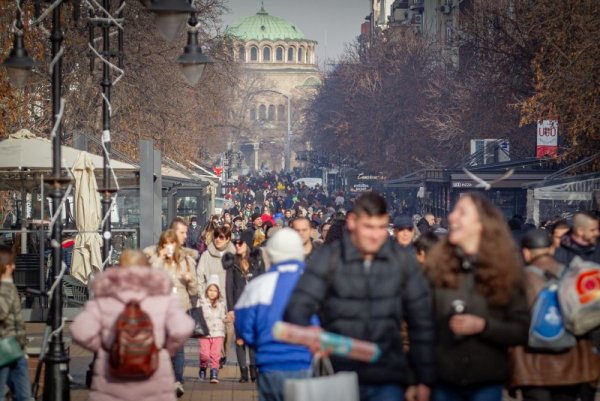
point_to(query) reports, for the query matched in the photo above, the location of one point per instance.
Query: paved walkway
(228, 388)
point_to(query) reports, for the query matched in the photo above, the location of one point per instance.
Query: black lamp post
(56, 382)
(193, 61)
(18, 63)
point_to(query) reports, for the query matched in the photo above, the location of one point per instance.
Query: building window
(242, 53)
(281, 112)
(253, 114)
(291, 52)
(254, 53)
(267, 54)
(262, 112)
(271, 112)
(279, 54)
(301, 55)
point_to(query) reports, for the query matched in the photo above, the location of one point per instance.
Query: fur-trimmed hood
(125, 282)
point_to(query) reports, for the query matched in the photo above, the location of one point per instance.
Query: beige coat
(210, 264)
(186, 290)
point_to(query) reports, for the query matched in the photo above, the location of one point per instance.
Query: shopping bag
(200, 326)
(10, 351)
(327, 386)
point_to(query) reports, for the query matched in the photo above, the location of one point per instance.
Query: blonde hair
(132, 258)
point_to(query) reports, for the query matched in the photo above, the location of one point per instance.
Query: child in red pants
(215, 314)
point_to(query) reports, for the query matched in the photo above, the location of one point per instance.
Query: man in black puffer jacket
(364, 287)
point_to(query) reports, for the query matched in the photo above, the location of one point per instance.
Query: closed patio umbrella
(87, 259)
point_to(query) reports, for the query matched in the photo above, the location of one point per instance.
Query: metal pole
(288, 144)
(56, 382)
(106, 190)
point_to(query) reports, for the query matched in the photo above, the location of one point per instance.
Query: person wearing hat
(404, 231)
(262, 304)
(256, 221)
(241, 267)
(238, 225)
(550, 376)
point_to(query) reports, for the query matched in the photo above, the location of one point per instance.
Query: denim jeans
(178, 361)
(270, 384)
(16, 377)
(387, 392)
(469, 393)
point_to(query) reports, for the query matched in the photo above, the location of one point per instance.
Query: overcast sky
(332, 23)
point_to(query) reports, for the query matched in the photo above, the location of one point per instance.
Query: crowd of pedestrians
(448, 301)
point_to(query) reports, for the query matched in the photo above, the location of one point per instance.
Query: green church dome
(264, 26)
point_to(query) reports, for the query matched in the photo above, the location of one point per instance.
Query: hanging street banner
(547, 139)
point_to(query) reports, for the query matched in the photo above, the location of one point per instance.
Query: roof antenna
(262, 6)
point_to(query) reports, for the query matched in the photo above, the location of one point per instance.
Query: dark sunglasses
(238, 243)
(221, 237)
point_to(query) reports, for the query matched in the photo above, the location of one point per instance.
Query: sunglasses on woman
(221, 237)
(238, 243)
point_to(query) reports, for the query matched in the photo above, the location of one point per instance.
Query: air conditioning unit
(446, 9)
(487, 151)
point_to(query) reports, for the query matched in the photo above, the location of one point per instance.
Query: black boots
(244, 372)
(253, 373)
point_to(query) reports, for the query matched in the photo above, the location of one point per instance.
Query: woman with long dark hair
(240, 268)
(479, 302)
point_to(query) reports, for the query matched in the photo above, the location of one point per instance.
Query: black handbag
(200, 326)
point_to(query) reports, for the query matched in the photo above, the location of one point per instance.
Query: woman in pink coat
(93, 330)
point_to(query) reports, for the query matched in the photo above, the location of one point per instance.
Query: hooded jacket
(210, 263)
(569, 249)
(260, 306)
(370, 302)
(215, 315)
(93, 330)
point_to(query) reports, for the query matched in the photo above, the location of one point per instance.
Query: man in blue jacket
(261, 305)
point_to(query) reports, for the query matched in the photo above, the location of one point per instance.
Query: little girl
(215, 314)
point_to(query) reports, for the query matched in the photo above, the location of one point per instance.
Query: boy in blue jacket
(261, 305)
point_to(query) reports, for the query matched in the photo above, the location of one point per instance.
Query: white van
(310, 182)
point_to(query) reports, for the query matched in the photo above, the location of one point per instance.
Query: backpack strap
(546, 275)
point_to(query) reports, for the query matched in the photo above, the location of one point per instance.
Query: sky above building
(332, 23)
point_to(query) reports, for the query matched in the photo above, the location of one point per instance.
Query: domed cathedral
(280, 69)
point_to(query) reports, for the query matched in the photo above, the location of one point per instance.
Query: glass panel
(186, 207)
(291, 54)
(279, 54)
(242, 54)
(254, 54)
(267, 54)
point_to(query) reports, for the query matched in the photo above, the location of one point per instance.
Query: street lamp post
(19, 66)
(106, 191)
(56, 382)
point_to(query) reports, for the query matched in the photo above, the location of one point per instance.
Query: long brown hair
(170, 236)
(497, 264)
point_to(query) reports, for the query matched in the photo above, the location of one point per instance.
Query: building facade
(280, 72)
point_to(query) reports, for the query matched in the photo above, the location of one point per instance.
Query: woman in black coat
(242, 267)
(479, 302)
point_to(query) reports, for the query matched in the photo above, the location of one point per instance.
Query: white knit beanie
(285, 245)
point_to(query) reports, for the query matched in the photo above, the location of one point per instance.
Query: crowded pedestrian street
(279, 200)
